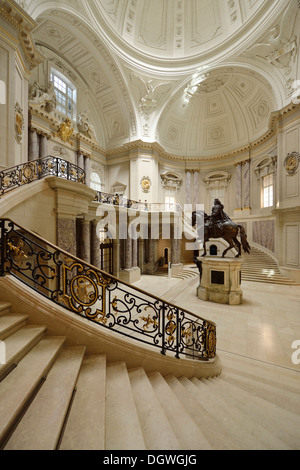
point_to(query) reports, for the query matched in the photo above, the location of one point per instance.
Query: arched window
(265, 171)
(95, 181)
(65, 93)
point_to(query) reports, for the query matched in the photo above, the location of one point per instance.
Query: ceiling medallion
(145, 184)
(291, 162)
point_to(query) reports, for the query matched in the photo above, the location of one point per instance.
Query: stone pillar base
(220, 280)
(176, 269)
(130, 275)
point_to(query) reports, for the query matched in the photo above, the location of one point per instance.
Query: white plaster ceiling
(200, 77)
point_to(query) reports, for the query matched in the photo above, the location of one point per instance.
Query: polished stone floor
(263, 327)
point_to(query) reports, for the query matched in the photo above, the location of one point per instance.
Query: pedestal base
(220, 280)
(130, 275)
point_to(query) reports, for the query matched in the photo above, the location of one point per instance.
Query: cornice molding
(23, 24)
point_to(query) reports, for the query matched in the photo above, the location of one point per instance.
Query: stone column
(196, 189)
(43, 146)
(128, 253)
(134, 253)
(246, 185)
(238, 192)
(66, 234)
(80, 160)
(84, 241)
(95, 245)
(87, 170)
(188, 186)
(33, 145)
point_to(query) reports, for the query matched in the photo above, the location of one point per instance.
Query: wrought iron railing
(103, 299)
(25, 173)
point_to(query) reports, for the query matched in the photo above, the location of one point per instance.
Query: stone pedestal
(130, 275)
(220, 280)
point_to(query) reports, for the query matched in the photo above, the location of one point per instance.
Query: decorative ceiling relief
(279, 45)
(206, 21)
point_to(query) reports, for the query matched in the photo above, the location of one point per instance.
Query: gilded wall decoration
(146, 184)
(19, 123)
(65, 131)
(291, 162)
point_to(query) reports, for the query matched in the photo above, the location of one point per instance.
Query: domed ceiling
(200, 77)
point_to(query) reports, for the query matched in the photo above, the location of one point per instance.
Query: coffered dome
(175, 30)
(219, 111)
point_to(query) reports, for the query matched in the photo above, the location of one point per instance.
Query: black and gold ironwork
(25, 173)
(102, 298)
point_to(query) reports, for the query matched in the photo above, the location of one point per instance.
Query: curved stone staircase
(55, 396)
(258, 266)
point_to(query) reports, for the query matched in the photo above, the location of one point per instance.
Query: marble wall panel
(263, 233)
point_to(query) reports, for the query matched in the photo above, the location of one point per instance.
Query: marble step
(11, 323)
(217, 435)
(188, 433)
(123, 430)
(151, 415)
(244, 432)
(19, 343)
(264, 372)
(280, 426)
(41, 426)
(281, 397)
(4, 308)
(85, 428)
(17, 389)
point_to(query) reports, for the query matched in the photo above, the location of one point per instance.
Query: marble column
(134, 253)
(66, 234)
(87, 170)
(175, 245)
(95, 245)
(84, 241)
(188, 187)
(246, 185)
(128, 253)
(43, 146)
(80, 160)
(33, 145)
(238, 192)
(195, 189)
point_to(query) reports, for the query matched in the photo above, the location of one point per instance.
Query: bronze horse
(226, 229)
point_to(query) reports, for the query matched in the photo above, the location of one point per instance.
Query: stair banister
(102, 298)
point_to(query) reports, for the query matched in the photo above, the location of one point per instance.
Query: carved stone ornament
(65, 131)
(43, 97)
(145, 184)
(19, 123)
(84, 126)
(291, 162)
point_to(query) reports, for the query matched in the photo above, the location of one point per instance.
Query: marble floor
(263, 327)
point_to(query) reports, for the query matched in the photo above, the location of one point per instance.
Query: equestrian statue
(219, 225)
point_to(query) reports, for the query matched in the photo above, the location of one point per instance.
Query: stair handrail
(103, 298)
(25, 173)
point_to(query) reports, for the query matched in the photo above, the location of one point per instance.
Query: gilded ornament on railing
(17, 249)
(65, 131)
(149, 321)
(210, 340)
(170, 327)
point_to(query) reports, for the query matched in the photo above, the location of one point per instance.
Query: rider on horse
(218, 216)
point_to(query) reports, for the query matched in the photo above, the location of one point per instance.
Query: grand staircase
(53, 395)
(258, 266)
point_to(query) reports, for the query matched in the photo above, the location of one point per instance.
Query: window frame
(64, 90)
